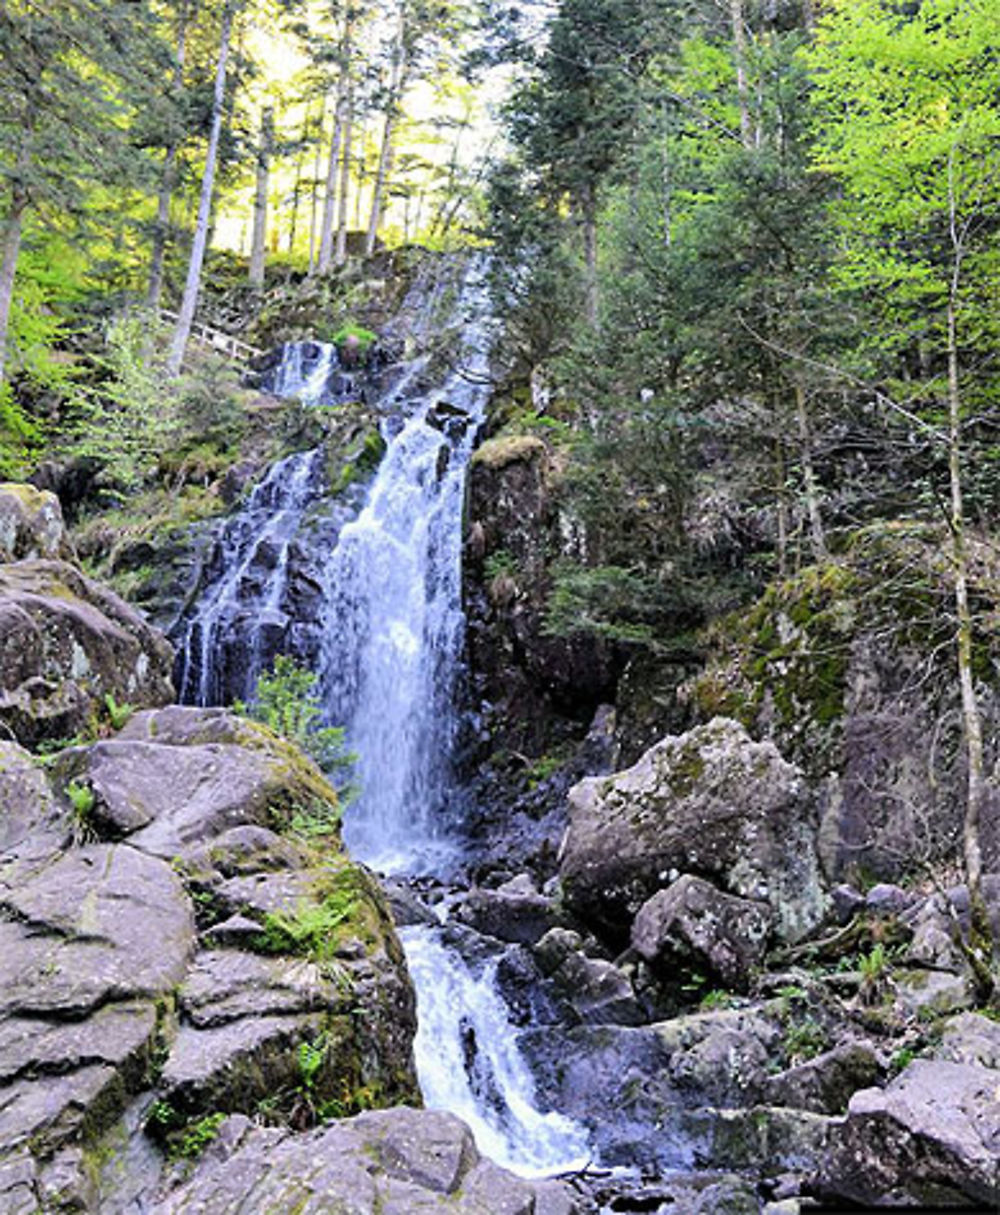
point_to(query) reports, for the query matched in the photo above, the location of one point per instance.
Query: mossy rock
(850, 667)
(509, 449)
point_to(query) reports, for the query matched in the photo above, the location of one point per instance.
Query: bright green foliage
(118, 714)
(287, 702)
(128, 420)
(909, 123)
(358, 334)
(196, 1137)
(81, 798)
(311, 931)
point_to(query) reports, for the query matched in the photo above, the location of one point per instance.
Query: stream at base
(388, 661)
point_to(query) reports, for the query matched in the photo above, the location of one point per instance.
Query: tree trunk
(300, 160)
(192, 286)
(740, 53)
(782, 507)
(588, 217)
(258, 244)
(8, 266)
(809, 476)
(345, 178)
(980, 942)
(330, 190)
(314, 203)
(161, 230)
(397, 84)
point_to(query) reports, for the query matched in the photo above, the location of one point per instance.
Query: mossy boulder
(711, 803)
(850, 668)
(388, 1160)
(66, 644)
(31, 523)
(127, 1001)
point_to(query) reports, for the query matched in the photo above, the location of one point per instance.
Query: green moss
(508, 449)
(360, 463)
(32, 499)
(686, 769)
(351, 330)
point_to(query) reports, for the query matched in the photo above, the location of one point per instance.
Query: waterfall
(225, 643)
(305, 372)
(393, 634)
(391, 627)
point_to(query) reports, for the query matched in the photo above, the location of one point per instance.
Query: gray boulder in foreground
(120, 1012)
(397, 1162)
(931, 1137)
(712, 803)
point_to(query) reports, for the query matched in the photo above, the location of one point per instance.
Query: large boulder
(31, 523)
(929, 1138)
(67, 643)
(848, 666)
(712, 803)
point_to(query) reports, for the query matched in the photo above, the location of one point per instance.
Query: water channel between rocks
(388, 654)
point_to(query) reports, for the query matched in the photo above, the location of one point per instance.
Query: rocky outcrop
(848, 667)
(66, 644)
(693, 921)
(31, 524)
(537, 688)
(125, 1000)
(712, 803)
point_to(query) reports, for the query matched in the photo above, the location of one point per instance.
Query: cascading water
(392, 641)
(394, 628)
(469, 1064)
(222, 653)
(305, 372)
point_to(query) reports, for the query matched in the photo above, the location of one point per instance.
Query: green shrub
(82, 799)
(193, 1140)
(364, 337)
(311, 931)
(286, 701)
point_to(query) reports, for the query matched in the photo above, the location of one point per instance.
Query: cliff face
(536, 685)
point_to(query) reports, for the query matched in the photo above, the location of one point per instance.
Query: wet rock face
(120, 986)
(65, 644)
(712, 803)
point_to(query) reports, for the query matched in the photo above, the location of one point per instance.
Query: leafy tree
(192, 286)
(910, 126)
(72, 74)
(572, 121)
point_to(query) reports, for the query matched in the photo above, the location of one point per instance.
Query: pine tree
(72, 72)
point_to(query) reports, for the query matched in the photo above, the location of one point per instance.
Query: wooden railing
(215, 339)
